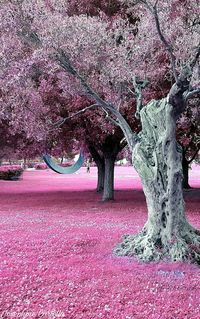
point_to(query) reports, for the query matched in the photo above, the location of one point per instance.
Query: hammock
(64, 170)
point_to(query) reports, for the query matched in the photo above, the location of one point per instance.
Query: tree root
(150, 247)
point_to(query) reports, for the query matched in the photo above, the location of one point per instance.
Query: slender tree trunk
(185, 166)
(24, 163)
(157, 157)
(101, 176)
(99, 161)
(61, 160)
(108, 191)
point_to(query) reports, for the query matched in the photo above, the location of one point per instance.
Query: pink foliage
(105, 48)
(56, 251)
(40, 166)
(10, 172)
(5, 168)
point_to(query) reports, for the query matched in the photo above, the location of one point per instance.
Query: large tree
(157, 157)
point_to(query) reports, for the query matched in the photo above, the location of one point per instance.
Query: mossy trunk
(157, 157)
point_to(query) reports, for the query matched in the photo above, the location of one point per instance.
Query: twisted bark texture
(157, 157)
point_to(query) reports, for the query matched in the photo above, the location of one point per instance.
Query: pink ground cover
(56, 241)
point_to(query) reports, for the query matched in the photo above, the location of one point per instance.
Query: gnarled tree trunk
(157, 157)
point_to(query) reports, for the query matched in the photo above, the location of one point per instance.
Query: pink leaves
(10, 172)
(40, 166)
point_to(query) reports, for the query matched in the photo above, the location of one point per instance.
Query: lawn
(56, 241)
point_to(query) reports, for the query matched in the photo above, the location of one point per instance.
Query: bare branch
(115, 122)
(196, 58)
(131, 91)
(195, 154)
(63, 120)
(156, 3)
(192, 94)
(167, 44)
(154, 11)
(139, 85)
(123, 143)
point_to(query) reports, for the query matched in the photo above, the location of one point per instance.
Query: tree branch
(63, 120)
(154, 11)
(65, 63)
(192, 93)
(123, 143)
(194, 61)
(139, 85)
(115, 122)
(95, 154)
(195, 154)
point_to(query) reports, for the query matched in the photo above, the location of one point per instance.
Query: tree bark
(185, 165)
(101, 176)
(110, 149)
(24, 163)
(99, 161)
(157, 157)
(108, 190)
(105, 163)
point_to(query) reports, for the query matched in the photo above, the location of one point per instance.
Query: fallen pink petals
(56, 248)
